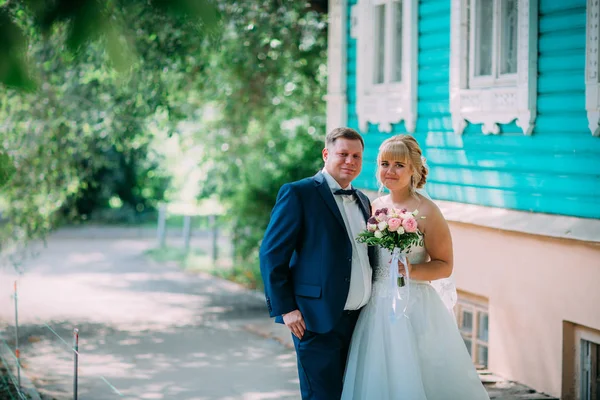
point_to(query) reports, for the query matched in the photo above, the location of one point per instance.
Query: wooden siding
(556, 170)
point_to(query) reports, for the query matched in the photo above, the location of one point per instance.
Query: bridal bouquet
(395, 230)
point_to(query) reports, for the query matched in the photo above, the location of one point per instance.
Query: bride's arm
(438, 243)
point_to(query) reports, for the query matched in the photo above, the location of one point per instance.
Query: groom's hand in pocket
(295, 322)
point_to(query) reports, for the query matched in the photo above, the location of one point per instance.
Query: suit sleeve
(276, 251)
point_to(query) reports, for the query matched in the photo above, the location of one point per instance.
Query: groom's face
(343, 160)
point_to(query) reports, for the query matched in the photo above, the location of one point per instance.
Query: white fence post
(162, 225)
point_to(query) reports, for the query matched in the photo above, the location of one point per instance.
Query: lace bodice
(416, 255)
(381, 273)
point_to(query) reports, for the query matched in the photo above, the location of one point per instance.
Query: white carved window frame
(388, 103)
(496, 104)
(592, 59)
(337, 110)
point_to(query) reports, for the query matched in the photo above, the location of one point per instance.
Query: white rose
(378, 234)
(382, 225)
(400, 231)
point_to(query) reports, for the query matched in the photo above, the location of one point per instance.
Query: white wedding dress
(418, 356)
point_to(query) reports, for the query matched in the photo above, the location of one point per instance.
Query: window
(581, 362)
(386, 73)
(337, 111)
(388, 67)
(493, 43)
(493, 63)
(473, 320)
(592, 75)
(379, 44)
(590, 373)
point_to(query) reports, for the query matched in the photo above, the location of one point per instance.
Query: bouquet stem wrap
(397, 255)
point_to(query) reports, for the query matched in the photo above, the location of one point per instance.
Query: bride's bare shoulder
(428, 208)
(426, 204)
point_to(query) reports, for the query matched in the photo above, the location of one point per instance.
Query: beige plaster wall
(533, 284)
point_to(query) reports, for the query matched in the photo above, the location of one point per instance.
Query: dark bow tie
(348, 192)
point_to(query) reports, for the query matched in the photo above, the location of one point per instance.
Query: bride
(421, 354)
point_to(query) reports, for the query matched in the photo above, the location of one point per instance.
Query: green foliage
(110, 77)
(85, 134)
(391, 240)
(88, 21)
(13, 71)
(7, 169)
(138, 182)
(256, 188)
(267, 82)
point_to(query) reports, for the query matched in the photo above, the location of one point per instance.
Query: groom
(317, 276)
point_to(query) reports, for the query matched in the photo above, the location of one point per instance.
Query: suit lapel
(325, 192)
(364, 206)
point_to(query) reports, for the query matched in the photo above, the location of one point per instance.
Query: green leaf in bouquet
(401, 281)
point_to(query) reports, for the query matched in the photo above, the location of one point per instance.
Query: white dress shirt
(360, 277)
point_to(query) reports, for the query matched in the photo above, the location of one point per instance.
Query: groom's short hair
(342, 132)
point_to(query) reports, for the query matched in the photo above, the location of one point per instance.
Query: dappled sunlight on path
(153, 331)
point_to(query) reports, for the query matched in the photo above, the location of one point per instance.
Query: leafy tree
(84, 22)
(7, 169)
(83, 133)
(104, 72)
(269, 79)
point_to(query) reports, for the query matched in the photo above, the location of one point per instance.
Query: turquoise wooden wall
(556, 170)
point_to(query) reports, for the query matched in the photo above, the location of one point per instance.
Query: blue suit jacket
(306, 255)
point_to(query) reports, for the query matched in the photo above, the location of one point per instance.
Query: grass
(176, 221)
(9, 391)
(149, 220)
(197, 260)
(176, 212)
(7, 388)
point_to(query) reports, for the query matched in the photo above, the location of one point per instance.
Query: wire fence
(9, 386)
(14, 382)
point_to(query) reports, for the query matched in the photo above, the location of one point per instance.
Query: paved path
(153, 331)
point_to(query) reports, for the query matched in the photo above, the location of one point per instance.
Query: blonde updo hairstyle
(404, 148)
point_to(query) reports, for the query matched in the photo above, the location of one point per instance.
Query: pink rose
(381, 218)
(394, 224)
(405, 215)
(398, 211)
(410, 225)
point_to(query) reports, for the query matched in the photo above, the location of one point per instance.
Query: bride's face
(395, 174)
